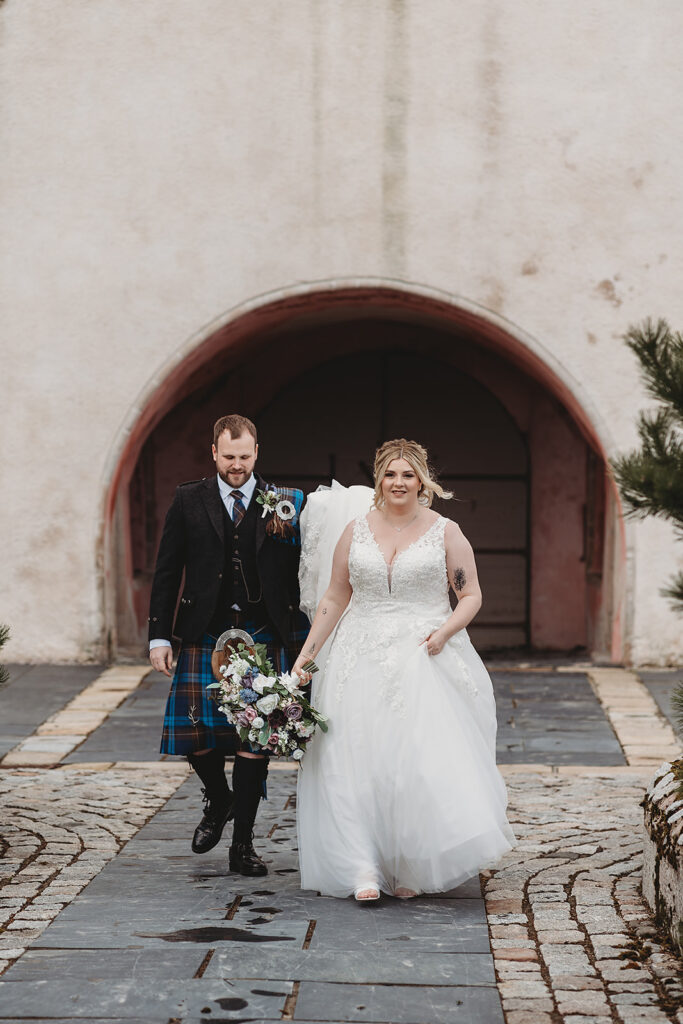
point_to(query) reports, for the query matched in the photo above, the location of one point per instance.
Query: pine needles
(4, 637)
(650, 478)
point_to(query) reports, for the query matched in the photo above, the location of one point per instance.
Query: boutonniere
(280, 511)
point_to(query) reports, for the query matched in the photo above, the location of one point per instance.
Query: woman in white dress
(402, 794)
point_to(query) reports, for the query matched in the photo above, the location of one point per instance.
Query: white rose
(304, 730)
(268, 703)
(290, 682)
(239, 665)
(258, 723)
(298, 754)
(259, 683)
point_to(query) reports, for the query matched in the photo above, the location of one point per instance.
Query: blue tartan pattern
(296, 497)
(192, 720)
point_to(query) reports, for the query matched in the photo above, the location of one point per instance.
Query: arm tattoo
(312, 648)
(324, 611)
(459, 579)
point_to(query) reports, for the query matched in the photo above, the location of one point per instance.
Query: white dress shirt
(247, 492)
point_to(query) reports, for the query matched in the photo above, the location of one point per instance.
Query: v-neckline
(398, 554)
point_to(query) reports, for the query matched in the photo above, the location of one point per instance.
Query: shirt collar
(247, 488)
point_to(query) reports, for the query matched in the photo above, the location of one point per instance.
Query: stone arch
(278, 327)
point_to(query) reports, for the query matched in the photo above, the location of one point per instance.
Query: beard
(235, 477)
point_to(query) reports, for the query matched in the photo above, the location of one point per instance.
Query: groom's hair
(235, 425)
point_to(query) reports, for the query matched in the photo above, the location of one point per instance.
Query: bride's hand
(435, 642)
(297, 668)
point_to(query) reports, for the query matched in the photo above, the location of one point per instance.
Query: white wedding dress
(403, 789)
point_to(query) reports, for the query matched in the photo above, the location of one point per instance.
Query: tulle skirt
(403, 790)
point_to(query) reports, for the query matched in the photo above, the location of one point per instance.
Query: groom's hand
(162, 659)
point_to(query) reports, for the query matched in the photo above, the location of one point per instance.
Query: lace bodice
(394, 609)
(416, 582)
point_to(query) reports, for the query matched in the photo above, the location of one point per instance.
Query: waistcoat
(241, 583)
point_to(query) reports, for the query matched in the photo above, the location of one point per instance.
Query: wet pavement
(543, 718)
(161, 933)
(109, 916)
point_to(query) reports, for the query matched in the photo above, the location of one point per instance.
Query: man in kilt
(240, 569)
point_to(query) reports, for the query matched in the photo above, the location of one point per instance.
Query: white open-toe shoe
(366, 894)
(402, 893)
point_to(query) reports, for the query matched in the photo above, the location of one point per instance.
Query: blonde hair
(417, 457)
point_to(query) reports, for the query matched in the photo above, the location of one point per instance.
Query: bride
(402, 795)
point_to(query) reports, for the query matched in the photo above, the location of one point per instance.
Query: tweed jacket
(192, 543)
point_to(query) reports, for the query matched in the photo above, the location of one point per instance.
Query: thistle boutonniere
(280, 511)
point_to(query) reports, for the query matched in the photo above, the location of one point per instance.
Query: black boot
(218, 799)
(248, 778)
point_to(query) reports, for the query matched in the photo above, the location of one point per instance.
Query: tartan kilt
(192, 720)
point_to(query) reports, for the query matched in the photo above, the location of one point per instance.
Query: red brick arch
(241, 334)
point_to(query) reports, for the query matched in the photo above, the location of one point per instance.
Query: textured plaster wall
(168, 160)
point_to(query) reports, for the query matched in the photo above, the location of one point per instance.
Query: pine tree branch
(674, 591)
(4, 637)
(651, 479)
(677, 706)
(660, 352)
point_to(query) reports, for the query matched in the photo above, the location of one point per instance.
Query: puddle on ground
(231, 1003)
(214, 933)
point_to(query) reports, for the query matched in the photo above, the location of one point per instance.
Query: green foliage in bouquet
(268, 710)
(4, 637)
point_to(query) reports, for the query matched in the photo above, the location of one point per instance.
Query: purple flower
(241, 719)
(277, 718)
(248, 695)
(249, 714)
(294, 712)
(273, 739)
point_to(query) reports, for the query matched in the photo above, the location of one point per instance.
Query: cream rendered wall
(168, 160)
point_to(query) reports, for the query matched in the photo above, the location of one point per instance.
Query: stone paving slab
(92, 965)
(216, 998)
(60, 733)
(398, 1004)
(660, 684)
(366, 966)
(132, 731)
(645, 735)
(33, 693)
(552, 717)
(156, 897)
(59, 831)
(542, 717)
(564, 933)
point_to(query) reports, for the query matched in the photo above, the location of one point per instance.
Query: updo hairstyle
(417, 457)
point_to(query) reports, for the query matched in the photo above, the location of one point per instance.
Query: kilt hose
(192, 720)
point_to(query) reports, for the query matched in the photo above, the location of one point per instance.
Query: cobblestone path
(106, 915)
(572, 938)
(59, 829)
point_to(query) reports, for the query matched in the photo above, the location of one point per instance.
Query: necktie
(238, 508)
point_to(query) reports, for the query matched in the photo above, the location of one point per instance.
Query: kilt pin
(241, 574)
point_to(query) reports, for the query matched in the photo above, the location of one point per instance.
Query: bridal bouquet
(268, 710)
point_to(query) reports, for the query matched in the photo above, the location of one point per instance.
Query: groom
(240, 570)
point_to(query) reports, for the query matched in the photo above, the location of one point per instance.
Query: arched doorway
(329, 381)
